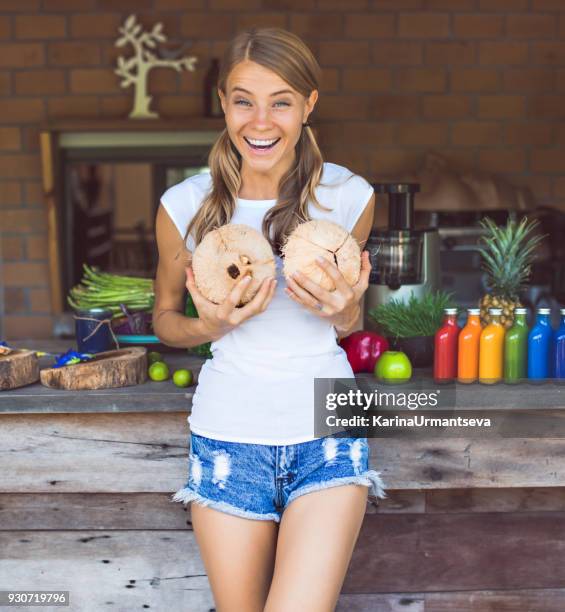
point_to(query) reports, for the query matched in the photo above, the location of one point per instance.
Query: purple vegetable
(135, 323)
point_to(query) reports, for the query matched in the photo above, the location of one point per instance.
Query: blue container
(93, 335)
(559, 354)
(540, 346)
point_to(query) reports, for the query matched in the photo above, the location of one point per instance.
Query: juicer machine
(405, 261)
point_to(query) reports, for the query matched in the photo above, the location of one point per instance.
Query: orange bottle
(491, 349)
(468, 353)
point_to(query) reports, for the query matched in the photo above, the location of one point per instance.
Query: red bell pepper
(363, 348)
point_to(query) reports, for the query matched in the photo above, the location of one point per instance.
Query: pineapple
(507, 254)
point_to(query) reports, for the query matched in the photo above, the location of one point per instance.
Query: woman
(276, 512)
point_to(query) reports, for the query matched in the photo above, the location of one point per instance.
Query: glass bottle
(468, 350)
(445, 347)
(540, 341)
(559, 362)
(516, 348)
(491, 349)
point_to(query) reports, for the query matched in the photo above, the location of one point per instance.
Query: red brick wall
(482, 81)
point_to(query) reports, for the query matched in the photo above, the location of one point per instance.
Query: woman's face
(264, 116)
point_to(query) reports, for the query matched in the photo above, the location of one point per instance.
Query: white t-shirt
(259, 386)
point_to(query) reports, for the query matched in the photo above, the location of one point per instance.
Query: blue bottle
(540, 346)
(559, 361)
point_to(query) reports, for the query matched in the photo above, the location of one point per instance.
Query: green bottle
(516, 348)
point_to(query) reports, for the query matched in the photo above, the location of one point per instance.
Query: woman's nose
(262, 116)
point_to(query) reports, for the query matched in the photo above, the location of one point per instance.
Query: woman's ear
(311, 102)
(222, 99)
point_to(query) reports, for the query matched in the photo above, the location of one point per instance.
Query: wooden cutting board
(18, 368)
(107, 370)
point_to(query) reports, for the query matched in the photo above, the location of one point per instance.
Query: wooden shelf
(134, 125)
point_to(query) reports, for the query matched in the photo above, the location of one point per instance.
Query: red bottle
(445, 347)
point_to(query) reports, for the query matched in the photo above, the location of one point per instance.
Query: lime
(159, 371)
(154, 356)
(182, 378)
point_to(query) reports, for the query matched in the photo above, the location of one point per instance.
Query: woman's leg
(239, 556)
(317, 535)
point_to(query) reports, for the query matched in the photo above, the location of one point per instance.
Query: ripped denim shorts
(258, 481)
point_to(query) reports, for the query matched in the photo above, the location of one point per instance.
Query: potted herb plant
(411, 326)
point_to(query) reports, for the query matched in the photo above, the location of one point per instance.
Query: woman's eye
(247, 103)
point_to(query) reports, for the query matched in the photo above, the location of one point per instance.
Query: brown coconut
(311, 239)
(228, 253)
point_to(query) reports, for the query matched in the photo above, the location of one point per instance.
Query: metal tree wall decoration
(135, 69)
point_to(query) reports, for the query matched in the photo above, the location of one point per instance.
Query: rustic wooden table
(86, 479)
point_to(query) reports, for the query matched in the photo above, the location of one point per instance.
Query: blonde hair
(288, 56)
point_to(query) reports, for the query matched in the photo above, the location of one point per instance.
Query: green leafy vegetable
(417, 317)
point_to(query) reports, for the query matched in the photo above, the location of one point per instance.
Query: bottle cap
(473, 311)
(495, 311)
(520, 310)
(450, 311)
(544, 311)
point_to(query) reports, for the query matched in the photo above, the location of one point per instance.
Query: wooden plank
(379, 602)
(95, 453)
(462, 463)
(156, 511)
(147, 397)
(50, 195)
(545, 499)
(112, 570)
(92, 511)
(163, 569)
(148, 453)
(455, 552)
(52, 511)
(404, 502)
(540, 600)
(110, 125)
(530, 395)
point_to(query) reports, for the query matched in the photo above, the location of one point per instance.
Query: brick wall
(482, 81)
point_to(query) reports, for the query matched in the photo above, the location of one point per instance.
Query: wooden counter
(86, 479)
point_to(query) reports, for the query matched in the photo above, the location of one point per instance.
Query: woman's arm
(341, 306)
(170, 324)
(214, 320)
(361, 233)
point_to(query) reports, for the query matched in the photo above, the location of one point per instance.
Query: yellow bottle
(491, 350)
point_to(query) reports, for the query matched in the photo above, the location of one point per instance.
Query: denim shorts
(258, 481)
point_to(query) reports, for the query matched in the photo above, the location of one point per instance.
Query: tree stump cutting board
(18, 368)
(107, 370)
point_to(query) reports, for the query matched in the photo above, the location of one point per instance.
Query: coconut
(228, 253)
(324, 238)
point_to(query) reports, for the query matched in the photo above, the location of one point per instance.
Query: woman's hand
(219, 319)
(341, 306)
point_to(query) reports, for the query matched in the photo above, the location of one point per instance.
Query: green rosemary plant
(417, 317)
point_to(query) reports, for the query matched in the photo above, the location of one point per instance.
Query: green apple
(393, 367)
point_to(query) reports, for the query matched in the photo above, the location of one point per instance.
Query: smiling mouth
(258, 147)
